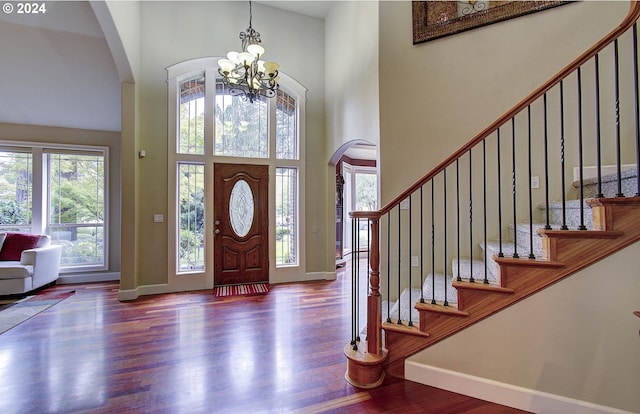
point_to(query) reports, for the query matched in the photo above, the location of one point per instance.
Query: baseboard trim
(69, 279)
(133, 294)
(502, 393)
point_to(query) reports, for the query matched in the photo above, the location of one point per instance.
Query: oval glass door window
(241, 208)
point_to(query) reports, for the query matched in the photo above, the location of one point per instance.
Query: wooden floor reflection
(195, 353)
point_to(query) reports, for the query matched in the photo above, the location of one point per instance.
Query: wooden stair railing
(563, 250)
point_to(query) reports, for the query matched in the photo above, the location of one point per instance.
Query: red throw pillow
(15, 243)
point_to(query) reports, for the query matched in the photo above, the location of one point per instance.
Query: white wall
(352, 73)
(55, 74)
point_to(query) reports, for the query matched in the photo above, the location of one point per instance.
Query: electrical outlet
(415, 261)
(535, 182)
(404, 204)
(158, 218)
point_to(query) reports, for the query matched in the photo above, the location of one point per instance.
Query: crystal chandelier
(245, 73)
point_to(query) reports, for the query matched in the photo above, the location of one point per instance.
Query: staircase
(509, 280)
(463, 268)
(471, 237)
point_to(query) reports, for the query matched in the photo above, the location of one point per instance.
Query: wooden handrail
(629, 20)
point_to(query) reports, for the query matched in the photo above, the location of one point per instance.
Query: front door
(241, 248)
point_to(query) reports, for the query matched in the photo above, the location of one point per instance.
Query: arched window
(208, 125)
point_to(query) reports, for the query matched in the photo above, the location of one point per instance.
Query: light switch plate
(158, 218)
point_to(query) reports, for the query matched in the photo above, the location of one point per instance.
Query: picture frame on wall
(436, 19)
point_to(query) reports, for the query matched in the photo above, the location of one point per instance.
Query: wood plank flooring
(195, 353)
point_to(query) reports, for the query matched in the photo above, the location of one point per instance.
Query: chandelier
(245, 73)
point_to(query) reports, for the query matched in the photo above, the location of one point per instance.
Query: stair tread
(478, 285)
(404, 328)
(478, 269)
(439, 308)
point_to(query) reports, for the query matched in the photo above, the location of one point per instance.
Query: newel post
(365, 367)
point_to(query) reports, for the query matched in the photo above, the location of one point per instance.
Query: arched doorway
(356, 189)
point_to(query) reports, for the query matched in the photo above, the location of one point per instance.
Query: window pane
(15, 191)
(76, 206)
(191, 116)
(191, 220)
(286, 127)
(366, 193)
(366, 200)
(286, 216)
(241, 126)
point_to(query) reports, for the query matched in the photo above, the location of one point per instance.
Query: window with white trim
(59, 191)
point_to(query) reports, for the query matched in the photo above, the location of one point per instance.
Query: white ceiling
(362, 152)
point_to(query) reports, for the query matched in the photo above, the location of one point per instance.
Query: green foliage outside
(191, 211)
(241, 127)
(191, 244)
(75, 201)
(12, 213)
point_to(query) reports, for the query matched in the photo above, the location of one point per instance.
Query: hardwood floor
(195, 353)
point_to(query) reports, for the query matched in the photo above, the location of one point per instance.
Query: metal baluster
(358, 288)
(580, 162)
(399, 266)
(598, 136)
(637, 110)
(546, 164)
(409, 261)
(617, 98)
(471, 279)
(444, 223)
(564, 201)
(389, 267)
(513, 185)
(355, 255)
(433, 248)
(484, 201)
(421, 245)
(500, 253)
(459, 278)
(515, 229)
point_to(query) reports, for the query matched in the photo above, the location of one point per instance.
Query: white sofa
(37, 267)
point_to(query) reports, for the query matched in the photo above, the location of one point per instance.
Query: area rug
(15, 311)
(241, 290)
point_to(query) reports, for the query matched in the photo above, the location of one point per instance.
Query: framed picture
(436, 19)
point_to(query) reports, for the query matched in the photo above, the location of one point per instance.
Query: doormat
(13, 312)
(241, 290)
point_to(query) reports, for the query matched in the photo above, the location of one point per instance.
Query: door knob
(216, 231)
(217, 222)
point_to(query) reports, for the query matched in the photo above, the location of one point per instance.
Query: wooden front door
(241, 239)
